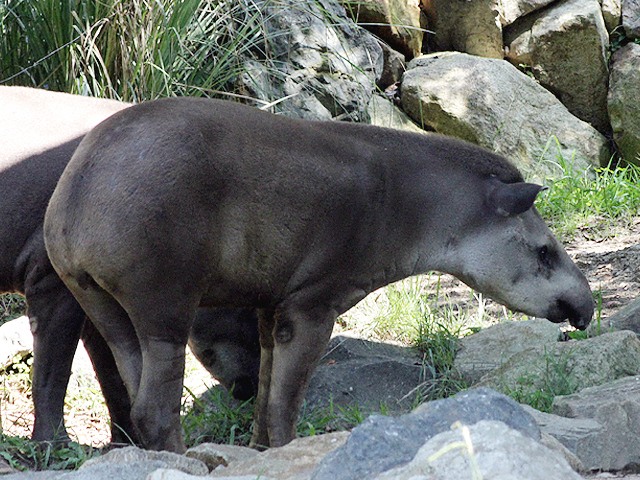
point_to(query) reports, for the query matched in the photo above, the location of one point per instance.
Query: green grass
(592, 203)
(23, 454)
(128, 50)
(12, 305)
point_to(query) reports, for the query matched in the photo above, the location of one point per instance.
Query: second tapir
(184, 202)
(39, 131)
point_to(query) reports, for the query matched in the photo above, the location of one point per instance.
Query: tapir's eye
(543, 255)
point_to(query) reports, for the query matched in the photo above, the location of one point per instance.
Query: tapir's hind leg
(111, 384)
(115, 327)
(56, 322)
(163, 326)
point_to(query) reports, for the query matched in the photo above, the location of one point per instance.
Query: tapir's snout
(577, 306)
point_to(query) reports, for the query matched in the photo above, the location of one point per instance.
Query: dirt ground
(611, 265)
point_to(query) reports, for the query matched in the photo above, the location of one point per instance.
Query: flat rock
(383, 113)
(294, 461)
(213, 455)
(133, 455)
(491, 103)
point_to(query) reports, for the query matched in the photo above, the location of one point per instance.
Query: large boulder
(382, 443)
(566, 48)
(470, 27)
(490, 348)
(397, 22)
(491, 103)
(487, 449)
(356, 372)
(631, 18)
(624, 109)
(627, 318)
(565, 367)
(321, 65)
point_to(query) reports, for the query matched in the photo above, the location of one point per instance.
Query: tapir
(184, 202)
(40, 130)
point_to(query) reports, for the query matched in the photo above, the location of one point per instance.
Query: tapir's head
(226, 342)
(508, 253)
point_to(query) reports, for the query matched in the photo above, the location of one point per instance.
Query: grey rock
(382, 443)
(167, 474)
(612, 13)
(491, 103)
(321, 64)
(583, 437)
(565, 367)
(566, 48)
(396, 22)
(488, 349)
(572, 459)
(628, 318)
(367, 374)
(383, 113)
(631, 18)
(294, 461)
(512, 10)
(616, 406)
(394, 66)
(488, 450)
(624, 110)
(470, 27)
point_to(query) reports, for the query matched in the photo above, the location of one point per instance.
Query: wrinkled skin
(40, 131)
(181, 203)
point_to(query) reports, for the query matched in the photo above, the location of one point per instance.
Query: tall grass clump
(128, 49)
(591, 202)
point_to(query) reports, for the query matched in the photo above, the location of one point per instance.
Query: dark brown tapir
(180, 203)
(39, 131)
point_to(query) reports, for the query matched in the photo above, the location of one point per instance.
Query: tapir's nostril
(578, 316)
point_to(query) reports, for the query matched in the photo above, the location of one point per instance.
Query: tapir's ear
(512, 198)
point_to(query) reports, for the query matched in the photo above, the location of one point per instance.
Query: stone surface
(15, 340)
(488, 450)
(491, 103)
(566, 48)
(382, 443)
(512, 10)
(321, 64)
(367, 374)
(470, 27)
(628, 318)
(397, 22)
(611, 13)
(623, 112)
(394, 67)
(134, 455)
(488, 349)
(213, 455)
(583, 437)
(294, 461)
(616, 406)
(631, 18)
(383, 113)
(568, 366)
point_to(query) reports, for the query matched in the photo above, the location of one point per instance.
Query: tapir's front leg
(300, 338)
(266, 322)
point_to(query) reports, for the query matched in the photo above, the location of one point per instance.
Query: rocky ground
(611, 265)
